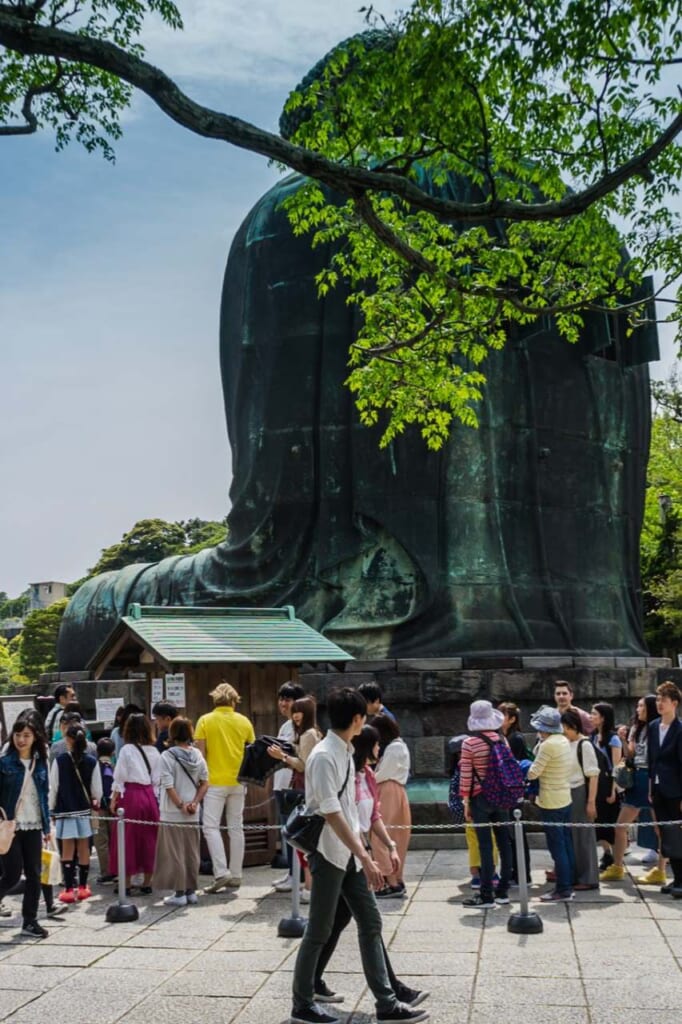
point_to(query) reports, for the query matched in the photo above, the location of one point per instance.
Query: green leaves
(490, 104)
(75, 100)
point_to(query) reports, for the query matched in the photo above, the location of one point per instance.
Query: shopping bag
(51, 867)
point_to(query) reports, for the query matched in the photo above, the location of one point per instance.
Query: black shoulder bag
(304, 828)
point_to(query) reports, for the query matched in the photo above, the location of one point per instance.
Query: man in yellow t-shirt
(221, 736)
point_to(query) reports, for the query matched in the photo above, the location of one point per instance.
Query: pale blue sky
(110, 279)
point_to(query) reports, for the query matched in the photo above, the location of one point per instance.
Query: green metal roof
(200, 635)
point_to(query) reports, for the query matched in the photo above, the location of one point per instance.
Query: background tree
(14, 608)
(661, 544)
(150, 540)
(559, 117)
(38, 649)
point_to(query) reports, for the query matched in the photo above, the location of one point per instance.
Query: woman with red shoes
(75, 791)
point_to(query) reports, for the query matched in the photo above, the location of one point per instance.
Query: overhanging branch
(26, 37)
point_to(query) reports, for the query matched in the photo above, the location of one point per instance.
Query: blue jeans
(560, 846)
(481, 812)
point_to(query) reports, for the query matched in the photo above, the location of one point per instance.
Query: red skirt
(138, 802)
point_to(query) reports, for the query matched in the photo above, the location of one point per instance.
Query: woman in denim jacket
(27, 753)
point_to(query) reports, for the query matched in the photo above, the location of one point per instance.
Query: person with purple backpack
(480, 760)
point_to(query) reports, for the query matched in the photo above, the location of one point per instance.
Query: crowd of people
(584, 770)
(175, 782)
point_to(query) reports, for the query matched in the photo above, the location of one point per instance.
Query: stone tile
(236, 940)
(44, 955)
(77, 1005)
(266, 960)
(482, 1013)
(609, 963)
(531, 962)
(460, 941)
(12, 1000)
(39, 979)
(141, 958)
(494, 987)
(639, 992)
(441, 964)
(196, 983)
(181, 1009)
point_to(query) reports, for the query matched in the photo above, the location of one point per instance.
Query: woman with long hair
(307, 735)
(23, 797)
(184, 781)
(75, 791)
(636, 798)
(392, 772)
(511, 729)
(136, 781)
(365, 749)
(606, 739)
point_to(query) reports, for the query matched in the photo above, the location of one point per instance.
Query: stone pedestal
(431, 697)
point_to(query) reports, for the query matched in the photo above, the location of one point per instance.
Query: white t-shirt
(28, 815)
(590, 764)
(282, 777)
(130, 767)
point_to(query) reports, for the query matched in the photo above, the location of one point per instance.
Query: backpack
(503, 784)
(455, 802)
(605, 783)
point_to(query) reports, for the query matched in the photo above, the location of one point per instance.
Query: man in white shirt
(63, 695)
(342, 867)
(281, 780)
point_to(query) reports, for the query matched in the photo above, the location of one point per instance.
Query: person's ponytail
(76, 734)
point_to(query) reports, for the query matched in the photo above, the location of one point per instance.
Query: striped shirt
(475, 757)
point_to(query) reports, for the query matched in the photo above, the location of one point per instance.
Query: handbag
(50, 866)
(8, 826)
(624, 775)
(7, 830)
(304, 828)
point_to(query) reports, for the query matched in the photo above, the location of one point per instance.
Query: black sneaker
(35, 930)
(401, 1014)
(324, 994)
(57, 909)
(312, 1015)
(412, 996)
(501, 898)
(479, 902)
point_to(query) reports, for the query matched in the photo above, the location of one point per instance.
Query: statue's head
(372, 40)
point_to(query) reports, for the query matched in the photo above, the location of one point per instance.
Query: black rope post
(524, 922)
(122, 910)
(294, 926)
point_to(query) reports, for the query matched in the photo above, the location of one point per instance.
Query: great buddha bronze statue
(521, 536)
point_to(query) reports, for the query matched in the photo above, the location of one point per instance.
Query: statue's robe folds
(521, 536)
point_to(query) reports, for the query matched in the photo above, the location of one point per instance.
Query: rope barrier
(438, 827)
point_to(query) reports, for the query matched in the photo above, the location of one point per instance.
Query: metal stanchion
(121, 910)
(294, 926)
(524, 922)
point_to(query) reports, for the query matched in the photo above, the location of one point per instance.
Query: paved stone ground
(599, 959)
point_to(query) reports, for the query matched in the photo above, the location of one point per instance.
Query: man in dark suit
(665, 778)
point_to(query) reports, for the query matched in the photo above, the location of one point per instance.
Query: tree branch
(25, 37)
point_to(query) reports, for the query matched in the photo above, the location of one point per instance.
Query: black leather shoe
(676, 892)
(667, 889)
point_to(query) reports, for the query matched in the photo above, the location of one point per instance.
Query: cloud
(268, 44)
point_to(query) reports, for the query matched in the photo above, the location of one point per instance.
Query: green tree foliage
(38, 648)
(661, 548)
(13, 607)
(150, 540)
(5, 665)
(560, 116)
(74, 99)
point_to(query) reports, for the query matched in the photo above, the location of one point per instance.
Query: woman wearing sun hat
(553, 766)
(484, 721)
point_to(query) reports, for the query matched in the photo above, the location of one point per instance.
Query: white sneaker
(5, 911)
(650, 857)
(192, 898)
(304, 895)
(175, 901)
(284, 885)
